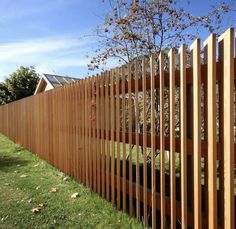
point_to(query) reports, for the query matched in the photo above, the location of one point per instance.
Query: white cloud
(46, 54)
(55, 65)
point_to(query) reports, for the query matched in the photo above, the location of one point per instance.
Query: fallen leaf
(75, 195)
(29, 200)
(23, 176)
(4, 218)
(35, 210)
(65, 178)
(53, 190)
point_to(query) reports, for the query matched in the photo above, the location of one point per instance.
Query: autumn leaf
(52, 190)
(23, 176)
(35, 210)
(75, 195)
(65, 178)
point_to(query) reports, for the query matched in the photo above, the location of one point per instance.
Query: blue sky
(50, 34)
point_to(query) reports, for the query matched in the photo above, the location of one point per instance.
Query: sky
(52, 35)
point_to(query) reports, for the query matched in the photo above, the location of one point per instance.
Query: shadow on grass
(9, 163)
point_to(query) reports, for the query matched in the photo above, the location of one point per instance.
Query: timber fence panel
(113, 133)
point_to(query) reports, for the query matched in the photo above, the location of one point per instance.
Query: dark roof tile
(58, 81)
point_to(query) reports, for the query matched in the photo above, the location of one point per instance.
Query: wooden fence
(155, 137)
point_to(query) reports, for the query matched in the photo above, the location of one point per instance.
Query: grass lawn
(27, 183)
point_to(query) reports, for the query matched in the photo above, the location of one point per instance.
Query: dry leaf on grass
(75, 195)
(23, 176)
(65, 178)
(4, 218)
(36, 210)
(53, 190)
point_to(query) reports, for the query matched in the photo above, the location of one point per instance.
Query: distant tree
(135, 28)
(20, 84)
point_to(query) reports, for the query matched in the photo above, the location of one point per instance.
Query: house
(48, 82)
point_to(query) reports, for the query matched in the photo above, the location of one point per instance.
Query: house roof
(58, 81)
(49, 81)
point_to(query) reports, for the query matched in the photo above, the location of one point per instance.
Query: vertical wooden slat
(183, 136)
(153, 133)
(93, 122)
(98, 119)
(137, 141)
(70, 124)
(112, 139)
(65, 129)
(210, 46)
(130, 142)
(81, 83)
(79, 129)
(83, 86)
(123, 138)
(86, 134)
(144, 143)
(79, 135)
(90, 142)
(73, 132)
(91, 106)
(197, 132)
(102, 135)
(205, 172)
(162, 141)
(118, 135)
(76, 131)
(228, 95)
(107, 77)
(172, 139)
(221, 134)
(205, 131)
(69, 150)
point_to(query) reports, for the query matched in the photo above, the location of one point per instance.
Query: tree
(139, 28)
(20, 84)
(142, 27)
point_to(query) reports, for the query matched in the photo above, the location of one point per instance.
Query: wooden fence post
(227, 39)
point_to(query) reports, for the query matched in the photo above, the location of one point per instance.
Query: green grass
(20, 194)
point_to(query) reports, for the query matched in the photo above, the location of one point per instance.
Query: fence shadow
(9, 163)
